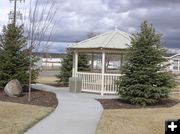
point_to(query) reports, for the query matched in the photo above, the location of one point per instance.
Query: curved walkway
(76, 113)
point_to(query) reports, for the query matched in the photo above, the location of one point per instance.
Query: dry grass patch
(137, 121)
(177, 77)
(17, 118)
(175, 96)
(47, 80)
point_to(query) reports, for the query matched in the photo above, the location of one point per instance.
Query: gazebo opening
(106, 55)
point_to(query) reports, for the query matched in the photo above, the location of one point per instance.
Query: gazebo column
(92, 62)
(121, 60)
(103, 71)
(75, 64)
(171, 65)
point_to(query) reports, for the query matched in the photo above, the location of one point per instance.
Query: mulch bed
(120, 104)
(38, 97)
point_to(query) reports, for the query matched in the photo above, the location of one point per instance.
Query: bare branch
(40, 28)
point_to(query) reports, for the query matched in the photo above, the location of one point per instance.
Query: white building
(174, 63)
(49, 61)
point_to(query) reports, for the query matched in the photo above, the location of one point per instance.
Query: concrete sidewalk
(75, 114)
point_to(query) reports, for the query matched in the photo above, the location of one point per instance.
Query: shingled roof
(115, 39)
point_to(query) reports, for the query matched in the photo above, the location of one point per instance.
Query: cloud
(53, 47)
(76, 18)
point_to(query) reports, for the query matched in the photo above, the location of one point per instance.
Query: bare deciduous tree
(40, 28)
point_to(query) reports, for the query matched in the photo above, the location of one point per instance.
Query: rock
(13, 88)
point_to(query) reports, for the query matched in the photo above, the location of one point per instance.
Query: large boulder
(13, 88)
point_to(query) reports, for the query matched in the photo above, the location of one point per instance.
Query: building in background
(50, 61)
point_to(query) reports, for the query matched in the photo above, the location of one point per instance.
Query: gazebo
(107, 55)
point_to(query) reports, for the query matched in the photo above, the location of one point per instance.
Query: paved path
(76, 113)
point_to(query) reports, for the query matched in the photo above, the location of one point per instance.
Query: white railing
(109, 83)
(91, 82)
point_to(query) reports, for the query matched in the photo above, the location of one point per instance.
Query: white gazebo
(174, 63)
(107, 52)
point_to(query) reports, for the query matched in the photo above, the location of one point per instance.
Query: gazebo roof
(115, 39)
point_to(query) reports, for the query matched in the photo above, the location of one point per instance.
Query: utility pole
(14, 20)
(14, 15)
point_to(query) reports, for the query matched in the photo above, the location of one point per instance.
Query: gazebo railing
(92, 82)
(109, 83)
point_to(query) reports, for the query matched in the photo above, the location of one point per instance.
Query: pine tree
(65, 69)
(83, 64)
(14, 60)
(67, 65)
(144, 82)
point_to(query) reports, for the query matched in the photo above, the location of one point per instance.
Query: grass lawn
(137, 121)
(17, 118)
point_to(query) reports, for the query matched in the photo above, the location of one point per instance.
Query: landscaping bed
(120, 104)
(38, 97)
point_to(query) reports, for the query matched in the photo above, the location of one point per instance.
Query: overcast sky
(75, 18)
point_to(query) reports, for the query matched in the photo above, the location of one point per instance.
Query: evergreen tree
(144, 82)
(67, 65)
(65, 69)
(14, 60)
(83, 64)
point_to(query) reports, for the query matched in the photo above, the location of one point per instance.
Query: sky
(76, 18)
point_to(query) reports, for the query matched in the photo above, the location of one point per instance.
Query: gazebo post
(73, 69)
(92, 62)
(103, 71)
(76, 63)
(121, 59)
